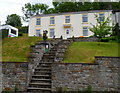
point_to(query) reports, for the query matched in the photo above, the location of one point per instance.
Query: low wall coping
(78, 63)
(105, 57)
(13, 62)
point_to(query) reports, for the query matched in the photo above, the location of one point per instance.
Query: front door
(67, 32)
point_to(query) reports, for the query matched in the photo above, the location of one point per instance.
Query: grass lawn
(84, 52)
(17, 49)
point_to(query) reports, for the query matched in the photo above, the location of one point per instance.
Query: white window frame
(85, 29)
(52, 20)
(85, 18)
(67, 19)
(38, 21)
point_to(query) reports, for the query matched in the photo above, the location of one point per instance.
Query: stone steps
(41, 81)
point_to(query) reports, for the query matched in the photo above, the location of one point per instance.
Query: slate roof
(57, 14)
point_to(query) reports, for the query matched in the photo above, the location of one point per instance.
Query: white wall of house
(76, 28)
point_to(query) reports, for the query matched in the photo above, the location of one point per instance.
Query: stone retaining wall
(14, 74)
(85, 39)
(101, 76)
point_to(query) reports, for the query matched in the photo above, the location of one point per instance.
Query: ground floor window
(37, 32)
(85, 31)
(51, 32)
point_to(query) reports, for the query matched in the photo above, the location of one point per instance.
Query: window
(85, 31)
(52, 20)
(37, 32)
(67, 19)
(13, 32)
(51, 32)
(84, 18)
(38, 21)
(67, 31)
(101, 17)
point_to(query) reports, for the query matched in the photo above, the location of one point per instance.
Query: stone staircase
(41, 80)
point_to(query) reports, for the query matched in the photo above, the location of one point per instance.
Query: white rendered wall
(76, 29)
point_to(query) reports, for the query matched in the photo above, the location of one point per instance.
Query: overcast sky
(8, 7)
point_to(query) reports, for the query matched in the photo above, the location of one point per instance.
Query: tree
(101, 29)
(31, 10)
(14, 20)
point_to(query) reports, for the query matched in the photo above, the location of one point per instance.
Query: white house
(66, 24)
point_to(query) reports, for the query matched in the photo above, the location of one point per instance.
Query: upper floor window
(52, 20)
(67, 19)
(101, 17)
(38, 21)
(85, 31)
(85, 18)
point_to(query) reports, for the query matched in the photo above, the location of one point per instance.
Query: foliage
(114, 39)
(60, 7)
(105, 39)
(14, 20)
(20, 34)
(23, 29)
(115, 30)
(102, 28)
(84, 52)
(79, 6)
(31, 10)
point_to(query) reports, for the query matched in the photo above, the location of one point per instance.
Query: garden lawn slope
(84, 52)
(17, 49)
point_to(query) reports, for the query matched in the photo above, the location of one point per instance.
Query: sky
(8, 7)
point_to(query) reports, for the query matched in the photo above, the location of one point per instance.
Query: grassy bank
(17, 49)
(84, 52)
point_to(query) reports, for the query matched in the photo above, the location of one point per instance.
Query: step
(48, 57)
(41, 79)
(40, 85)
(47, 84)
(44, 65)
(48, 60)
(43, 68)
(42, 73)
(43, 62)
(48, 54)
(34, 88)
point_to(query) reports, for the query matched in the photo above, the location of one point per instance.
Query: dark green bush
(23, 29)
(113, 38)
(20, 34)
(104, 39)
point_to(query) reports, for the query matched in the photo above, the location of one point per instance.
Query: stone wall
(85, 39)
(101, 76)
(18, 74)
(14, 75)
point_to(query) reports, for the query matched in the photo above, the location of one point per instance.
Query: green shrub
(104, 39)
(20, 34)
(23, 29)
(112, 38)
